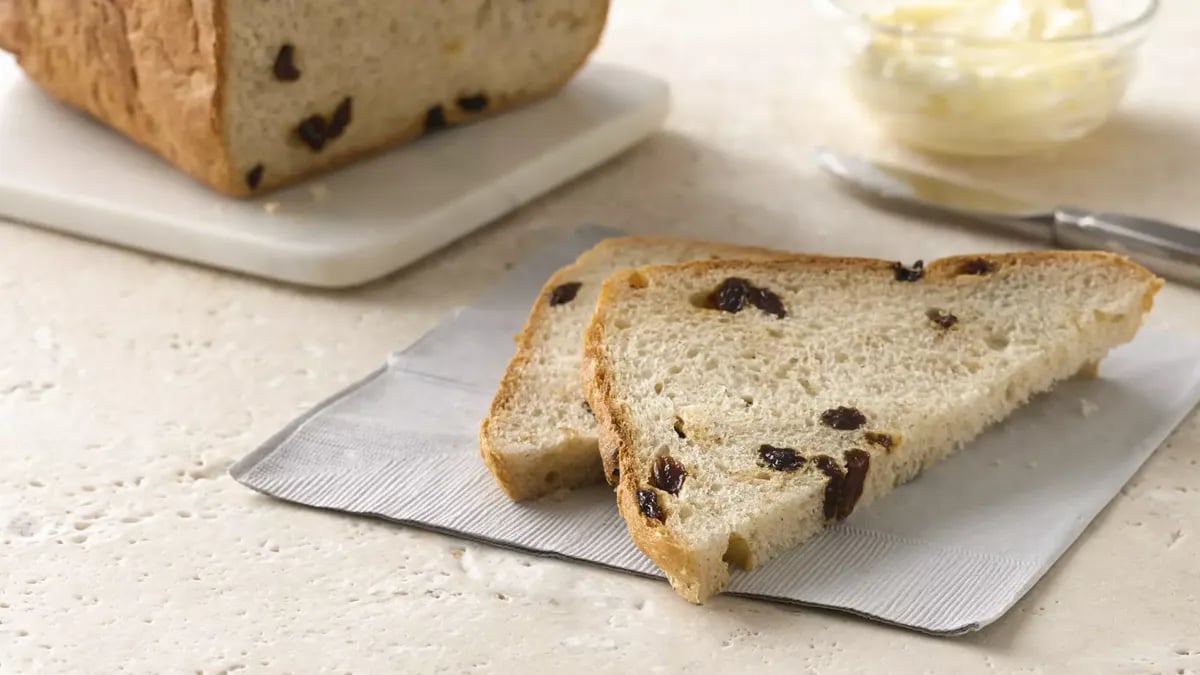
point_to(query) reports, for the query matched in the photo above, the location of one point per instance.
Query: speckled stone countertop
(128, 385)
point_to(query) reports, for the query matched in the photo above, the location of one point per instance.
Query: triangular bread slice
(752, 403)
(539, 435)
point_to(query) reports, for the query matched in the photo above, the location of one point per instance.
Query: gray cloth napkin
(946, 554)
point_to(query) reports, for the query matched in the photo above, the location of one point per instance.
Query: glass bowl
(979, 91)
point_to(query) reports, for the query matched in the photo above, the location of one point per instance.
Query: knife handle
(1165, 249)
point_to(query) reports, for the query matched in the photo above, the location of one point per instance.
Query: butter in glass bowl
(990, 77)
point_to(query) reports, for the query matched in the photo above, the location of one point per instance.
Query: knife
(1169, 250)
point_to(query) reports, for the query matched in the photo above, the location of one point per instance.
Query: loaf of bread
(249, 96)
(539, 435)
(750, 404)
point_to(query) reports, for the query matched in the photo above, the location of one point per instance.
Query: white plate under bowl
(61, 170)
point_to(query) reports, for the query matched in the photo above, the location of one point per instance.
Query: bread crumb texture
(790, 422)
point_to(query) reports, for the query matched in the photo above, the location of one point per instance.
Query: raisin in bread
(539, 435)
(753, 403)
(247, 96)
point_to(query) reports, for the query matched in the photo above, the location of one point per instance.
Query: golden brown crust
(221, 179)
(540, 312)
(146, 69)
(153, 70)
(488, 448)
(12, 31)
(654, 539)
(949, 267)
(942, 268)
(649, 535)
(499, 469)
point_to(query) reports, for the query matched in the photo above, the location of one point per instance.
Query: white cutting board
(61, 170)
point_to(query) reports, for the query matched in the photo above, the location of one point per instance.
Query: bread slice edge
(693, 576)
(492, 454)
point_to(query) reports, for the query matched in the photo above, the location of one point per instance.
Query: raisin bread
(539, 435)
(248, 96)
(753, 403)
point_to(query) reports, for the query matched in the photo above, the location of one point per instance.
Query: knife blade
(1170, 250)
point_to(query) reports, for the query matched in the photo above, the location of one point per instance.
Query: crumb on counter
(1088, 408)
(319, 191)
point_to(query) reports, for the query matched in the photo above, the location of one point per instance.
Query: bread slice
(829, 381)
(248, 96)
(539, 435)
